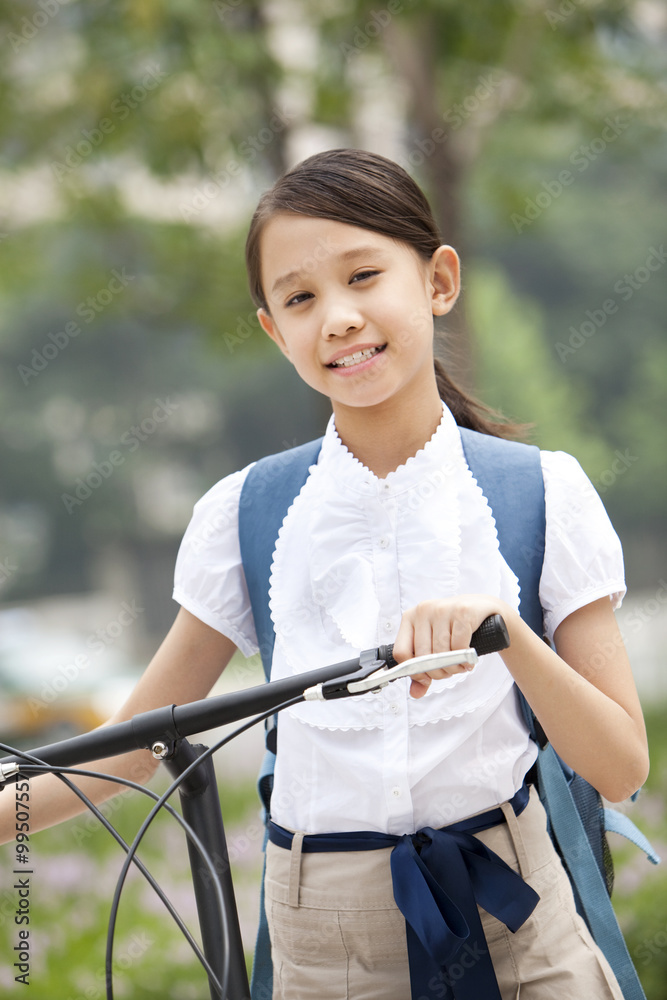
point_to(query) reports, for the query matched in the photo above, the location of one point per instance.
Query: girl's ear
(445, 279)
(269, 327)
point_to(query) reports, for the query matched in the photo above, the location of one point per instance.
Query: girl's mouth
(357, 357)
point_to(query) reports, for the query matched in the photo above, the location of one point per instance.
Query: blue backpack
(510, 476)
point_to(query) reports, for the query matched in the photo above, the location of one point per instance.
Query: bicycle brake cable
(43, 768)
(156, 808)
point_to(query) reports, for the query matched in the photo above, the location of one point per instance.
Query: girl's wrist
(521, 638)
(513, 620)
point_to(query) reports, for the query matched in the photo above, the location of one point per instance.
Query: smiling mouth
(354, 359)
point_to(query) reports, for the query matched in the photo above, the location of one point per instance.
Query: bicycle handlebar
(490, 637)
(173, 722)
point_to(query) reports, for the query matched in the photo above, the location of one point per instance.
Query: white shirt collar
(443, 447)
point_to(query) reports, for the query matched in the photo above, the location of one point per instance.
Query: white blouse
(353, 554)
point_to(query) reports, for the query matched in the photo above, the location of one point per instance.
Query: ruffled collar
(443, 447)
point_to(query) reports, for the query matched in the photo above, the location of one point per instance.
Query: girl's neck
(383, 438)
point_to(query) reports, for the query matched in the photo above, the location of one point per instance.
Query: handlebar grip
(490, 637)
(386, 653)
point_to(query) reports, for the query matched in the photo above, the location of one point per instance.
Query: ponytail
(470, 412)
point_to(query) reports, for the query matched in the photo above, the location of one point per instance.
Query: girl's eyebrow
(346, 256)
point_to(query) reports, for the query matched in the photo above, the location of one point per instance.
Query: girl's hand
(442, 625)
(582, 691)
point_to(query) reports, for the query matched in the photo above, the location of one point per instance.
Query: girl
(391, 539)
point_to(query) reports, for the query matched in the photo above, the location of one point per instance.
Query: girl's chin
(363, 401)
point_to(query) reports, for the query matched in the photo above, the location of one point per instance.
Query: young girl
(391, 539)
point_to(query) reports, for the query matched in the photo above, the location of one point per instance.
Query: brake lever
(415, 665)
(375, 679)
(373, 674)
(338, 687)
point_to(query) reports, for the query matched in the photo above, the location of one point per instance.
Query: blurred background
(135, 141)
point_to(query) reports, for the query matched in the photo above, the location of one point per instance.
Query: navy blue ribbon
(439, 878)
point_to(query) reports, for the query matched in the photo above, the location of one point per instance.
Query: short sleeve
(209, 581)
(583, 559)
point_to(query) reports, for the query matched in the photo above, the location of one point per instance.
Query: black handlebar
(174, 722)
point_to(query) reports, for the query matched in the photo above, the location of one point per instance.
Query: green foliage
(102, 102)
(644, 417)
(102, 321)
(518, 375)
(646, 936)
(583, 258)
(640, 898)
(155, 72)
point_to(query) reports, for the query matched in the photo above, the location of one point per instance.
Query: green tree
(471, 71)
(135, 139)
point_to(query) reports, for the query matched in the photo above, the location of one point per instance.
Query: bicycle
(165, 731)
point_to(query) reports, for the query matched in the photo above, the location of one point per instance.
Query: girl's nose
(340, 318)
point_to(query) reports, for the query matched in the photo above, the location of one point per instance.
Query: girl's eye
(362, 275)
(298, 298)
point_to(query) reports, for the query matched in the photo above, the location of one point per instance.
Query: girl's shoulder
(560, 465)
(208, 578)
(583, 557)
(213, 525)
(223, 494)
(567, 485)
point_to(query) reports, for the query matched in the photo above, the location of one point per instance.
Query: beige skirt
(337, 934)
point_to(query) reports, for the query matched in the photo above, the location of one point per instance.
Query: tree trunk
(410, 47)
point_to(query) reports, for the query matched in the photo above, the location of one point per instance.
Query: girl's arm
(583, 693)
(185, 667)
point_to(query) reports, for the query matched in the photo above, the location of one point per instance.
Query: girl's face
(352, 309)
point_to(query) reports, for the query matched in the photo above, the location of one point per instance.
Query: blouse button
(388, 626)
(396, 792)
(383, 542)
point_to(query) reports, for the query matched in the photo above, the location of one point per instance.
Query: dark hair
(369, 191)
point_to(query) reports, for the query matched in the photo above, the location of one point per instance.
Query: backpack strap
(590, 891)
(520, 518)
(269, 490)
(498, 465)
